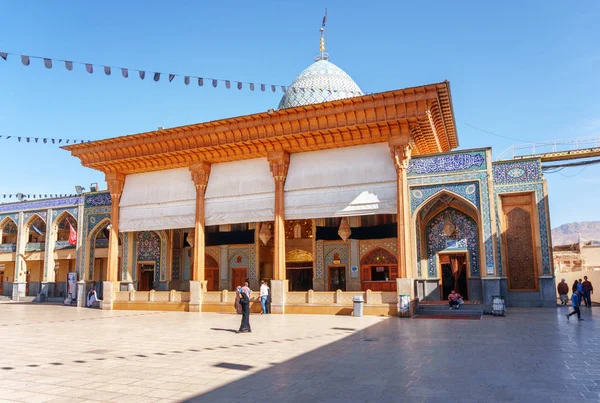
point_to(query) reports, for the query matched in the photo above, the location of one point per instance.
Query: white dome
(322, 81)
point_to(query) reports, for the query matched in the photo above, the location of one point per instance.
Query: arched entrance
(64, 245)
(448, 237)
(8, 244)
(378, 270)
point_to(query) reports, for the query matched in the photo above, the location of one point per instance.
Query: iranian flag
(72, 235)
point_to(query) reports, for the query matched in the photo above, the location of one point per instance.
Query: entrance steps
(441, 308)
(5, 298)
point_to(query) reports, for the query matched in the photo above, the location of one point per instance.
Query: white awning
(347, 181)
(158, 200)
(240, 192)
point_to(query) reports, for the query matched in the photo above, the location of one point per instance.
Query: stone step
(445, 307)
(448, 312)
(5, 298)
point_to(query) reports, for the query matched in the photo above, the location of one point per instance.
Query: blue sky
(525, 70)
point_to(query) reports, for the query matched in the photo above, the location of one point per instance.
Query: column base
(47, 290)
(491, 287)
(108, 290)
(18, 290)
(407, 286)
(81, 294)
(196, 290)
(278, 290)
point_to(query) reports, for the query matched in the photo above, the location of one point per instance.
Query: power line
(494, 134)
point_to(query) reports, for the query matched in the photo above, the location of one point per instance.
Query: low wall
(593, 276)
(152, 300)
(224, 301)
(379, 303)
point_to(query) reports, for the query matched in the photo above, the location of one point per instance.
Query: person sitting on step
(454, 299)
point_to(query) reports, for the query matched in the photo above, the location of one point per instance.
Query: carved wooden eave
(424, 113)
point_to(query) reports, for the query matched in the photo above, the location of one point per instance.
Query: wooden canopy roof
(423, 113)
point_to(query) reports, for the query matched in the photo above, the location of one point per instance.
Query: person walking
(563, 291)
(264, 297)
(237, 305)
(580, 290)
(575, 303)
(245, 302)
(588, 290)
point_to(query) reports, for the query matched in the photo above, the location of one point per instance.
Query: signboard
(354, 272)
(72, 284)
(380, 269)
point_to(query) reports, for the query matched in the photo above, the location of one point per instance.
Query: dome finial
(323, 55)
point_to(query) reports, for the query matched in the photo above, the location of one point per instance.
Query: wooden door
(212, 279)
(146, 280)
(238, 276)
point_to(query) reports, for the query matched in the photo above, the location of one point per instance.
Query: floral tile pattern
(465, 238)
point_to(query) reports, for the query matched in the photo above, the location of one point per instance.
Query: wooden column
(401, 149)
(200, 174)
(279, 162)
(115, 182)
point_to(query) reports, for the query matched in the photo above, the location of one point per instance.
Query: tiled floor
(62, 354)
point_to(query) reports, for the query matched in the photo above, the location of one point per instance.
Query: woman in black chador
(245, 301)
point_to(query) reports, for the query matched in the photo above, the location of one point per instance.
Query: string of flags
(22, 196)
(44, 140)
(156, 76)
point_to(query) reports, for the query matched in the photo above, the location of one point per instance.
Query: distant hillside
(569, 233)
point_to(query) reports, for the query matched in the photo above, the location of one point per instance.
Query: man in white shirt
(264, 295)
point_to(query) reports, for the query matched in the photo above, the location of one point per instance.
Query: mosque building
(334, 194)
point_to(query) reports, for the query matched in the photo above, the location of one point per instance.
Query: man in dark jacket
(588, 290)
(563, 291)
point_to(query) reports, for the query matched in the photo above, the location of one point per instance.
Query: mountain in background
(569, 233)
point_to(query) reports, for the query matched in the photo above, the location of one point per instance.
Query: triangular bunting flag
(227, 84)
(4, 55)
(214, 82)
(200, 82)
(251, 86)
(156, 77)
(171, 77)
(186, 80)
(142, 74)
(273, 88)
(239, 85)
(262, 87)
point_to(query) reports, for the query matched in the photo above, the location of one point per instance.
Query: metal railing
(552, 146)
(8, 247)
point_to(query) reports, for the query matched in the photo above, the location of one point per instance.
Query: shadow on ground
(521, 357)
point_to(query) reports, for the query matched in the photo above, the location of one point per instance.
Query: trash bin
(498, 305)
(404, 304)
(358, 305)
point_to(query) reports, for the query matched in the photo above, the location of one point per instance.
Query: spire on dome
(323, 55)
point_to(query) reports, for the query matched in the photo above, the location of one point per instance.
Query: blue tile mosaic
(421, 194)
(97, 199)
(513, 172)
(460, 161)
(465, 238)
(41, 204)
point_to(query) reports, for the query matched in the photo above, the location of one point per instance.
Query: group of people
(242, 303)
(581, 290)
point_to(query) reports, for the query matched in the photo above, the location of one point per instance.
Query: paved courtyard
(64, 354)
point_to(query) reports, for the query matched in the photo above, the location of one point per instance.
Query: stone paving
(63, 354)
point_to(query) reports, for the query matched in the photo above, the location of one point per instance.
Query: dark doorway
(146, 277)
(449, 280)
(300, 278)
(337, 278)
